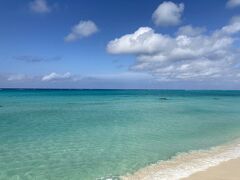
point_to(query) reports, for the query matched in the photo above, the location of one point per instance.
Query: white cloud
(190, 55)
(190, 31)
(39, 6)
(82, 29)
(233, 3)
(144, 40)
(232, 28)
(56, 77)
(168, 14)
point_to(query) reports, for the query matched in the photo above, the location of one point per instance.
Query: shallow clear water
(89, 134)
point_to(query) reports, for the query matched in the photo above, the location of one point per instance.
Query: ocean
(111, 134)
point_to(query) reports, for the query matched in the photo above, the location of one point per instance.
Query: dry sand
(229, 170)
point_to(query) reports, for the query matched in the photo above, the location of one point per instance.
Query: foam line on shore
(185, 164)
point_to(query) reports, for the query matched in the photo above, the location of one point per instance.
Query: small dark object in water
(163, 98)
(216, 98)
(1, 106)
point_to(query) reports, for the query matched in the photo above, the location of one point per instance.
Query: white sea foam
(185, 164)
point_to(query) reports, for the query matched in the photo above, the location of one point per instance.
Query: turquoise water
(89, 134)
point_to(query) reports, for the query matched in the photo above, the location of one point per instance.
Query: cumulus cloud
(82, 29)
(40, 6)
(56, 77)
(189, 55)
(168, 14)
(143, 41)
(233, 3)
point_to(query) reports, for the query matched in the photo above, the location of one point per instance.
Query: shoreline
(189, 166)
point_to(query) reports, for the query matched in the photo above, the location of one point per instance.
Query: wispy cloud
(233, 3)
(168, 14)
(36, 59)
(74, 78)
(127, 76)
(17, 77)
(189, 30)
(82, 29)
(56, 77)
(40, 6)
(189, 55)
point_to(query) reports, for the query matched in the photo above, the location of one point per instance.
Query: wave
(185, 164)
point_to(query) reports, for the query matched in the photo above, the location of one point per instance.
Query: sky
(120, 44)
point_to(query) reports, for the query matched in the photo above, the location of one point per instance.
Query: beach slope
(229, 170)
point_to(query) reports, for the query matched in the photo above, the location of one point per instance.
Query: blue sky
(120, 44)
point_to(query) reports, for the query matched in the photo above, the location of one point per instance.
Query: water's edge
(185, 164)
